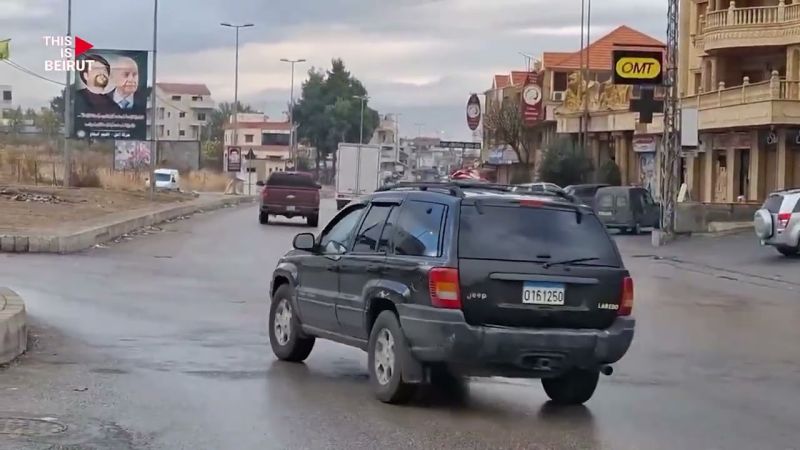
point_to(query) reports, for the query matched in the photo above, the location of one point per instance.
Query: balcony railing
(755, 16)
(773, 89)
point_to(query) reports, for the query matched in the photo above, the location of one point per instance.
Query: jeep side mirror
(305, 241)
(260, 183)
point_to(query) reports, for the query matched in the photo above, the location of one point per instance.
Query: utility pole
(235, 139)
(669, 158)
(68, 110)
(292, 137)
(363, 99)
(153, 97)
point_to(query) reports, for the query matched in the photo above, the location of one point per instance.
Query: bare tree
(504, 121)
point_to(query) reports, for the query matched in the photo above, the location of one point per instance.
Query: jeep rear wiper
(568, 261)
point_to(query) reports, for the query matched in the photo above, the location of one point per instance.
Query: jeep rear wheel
(789, 251)
(263, 217)
(285, 334)
(313, 221)
(387, 345)
(572, 388)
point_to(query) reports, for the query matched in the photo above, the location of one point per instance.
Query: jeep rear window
(532, 234)
(773, 203)
(290, 180)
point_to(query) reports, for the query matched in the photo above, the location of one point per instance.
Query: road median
(74, 239)
(13, 326)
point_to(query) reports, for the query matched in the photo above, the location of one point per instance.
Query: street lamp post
(292, 137)
(363, 99)
(235, 139)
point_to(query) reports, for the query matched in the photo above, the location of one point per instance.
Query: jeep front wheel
(285, 335)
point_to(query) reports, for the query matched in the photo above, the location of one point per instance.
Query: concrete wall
(181, 155)
(693, 217)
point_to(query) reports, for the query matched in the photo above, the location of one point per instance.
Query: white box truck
(358, 171)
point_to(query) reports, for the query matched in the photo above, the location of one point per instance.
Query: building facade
(740, 85)
(6, 102)
(602, 109)
(270, 142)
(183, 112)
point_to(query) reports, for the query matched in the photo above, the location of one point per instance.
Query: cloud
(421, 57)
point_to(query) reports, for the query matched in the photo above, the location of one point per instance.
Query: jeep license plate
(540, 293)
(290, 208)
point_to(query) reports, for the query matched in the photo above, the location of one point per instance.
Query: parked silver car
(777, 223)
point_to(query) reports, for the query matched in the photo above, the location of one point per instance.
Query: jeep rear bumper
(443, 336)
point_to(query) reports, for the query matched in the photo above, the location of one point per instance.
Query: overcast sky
(421, 58)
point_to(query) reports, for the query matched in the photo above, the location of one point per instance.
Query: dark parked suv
(459, 279)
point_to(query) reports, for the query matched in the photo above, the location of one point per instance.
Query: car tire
(285, 335)
(263, 217)
(788, 251)
(637, 229)
(313, 221)
(572, 388)
(386, 346)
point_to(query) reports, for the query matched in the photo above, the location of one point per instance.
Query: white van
(168, 179)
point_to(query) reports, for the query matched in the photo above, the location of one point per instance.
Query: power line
(27, 71)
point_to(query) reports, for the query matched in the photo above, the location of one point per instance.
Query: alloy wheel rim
(384, 357)
(282, 325)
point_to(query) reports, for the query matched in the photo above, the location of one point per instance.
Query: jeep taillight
(443, 286)
(783, 220)
(626, 302)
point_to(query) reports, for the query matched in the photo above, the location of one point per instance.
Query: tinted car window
(773, 203)
(622, 200)
(336, 239)
(370, 232)
(291, 179)
(531, 234)
(419, 228)
(605, 201)
(388, 230)
(797, 206)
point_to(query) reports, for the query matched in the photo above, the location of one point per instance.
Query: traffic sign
(458, 144)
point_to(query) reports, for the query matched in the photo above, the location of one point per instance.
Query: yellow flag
(4, 49)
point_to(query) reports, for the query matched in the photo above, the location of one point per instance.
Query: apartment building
(183, 111)
(740, 81)
(613, 131)
(6, 102)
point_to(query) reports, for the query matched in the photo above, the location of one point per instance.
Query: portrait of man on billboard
(234, 160)
(111, 96)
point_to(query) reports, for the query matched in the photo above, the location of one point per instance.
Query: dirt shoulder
(44, 209)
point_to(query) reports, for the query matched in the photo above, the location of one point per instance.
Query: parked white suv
(777, 223)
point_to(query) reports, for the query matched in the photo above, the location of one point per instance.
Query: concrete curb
(13, 326)
(97, 234)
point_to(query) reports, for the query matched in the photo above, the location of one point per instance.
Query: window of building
(371, 230)
(181, 114)
(275, 138)
(248, 138)
(7, 96)
(418, 230)
(181, 132)
(176, 98)
(169, 114)
(559, 81)
(197, 98)
(167, 132)
(161, 130)
(201, 116)
(161, 113)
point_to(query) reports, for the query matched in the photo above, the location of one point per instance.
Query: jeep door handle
(375, 269)
(332, 269)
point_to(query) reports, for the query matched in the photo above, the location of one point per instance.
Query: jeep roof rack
(454, 188)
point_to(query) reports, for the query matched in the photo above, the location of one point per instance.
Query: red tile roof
(599, 51)
(273, 126)
(184, 88)
(518, 77)
(501, 81)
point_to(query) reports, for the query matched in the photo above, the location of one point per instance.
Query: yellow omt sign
(637, 67)
(4, 49)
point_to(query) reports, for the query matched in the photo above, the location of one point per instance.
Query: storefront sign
(502, 156)
(731, 140)
(643, 144)
(532, 100)
(638, 67)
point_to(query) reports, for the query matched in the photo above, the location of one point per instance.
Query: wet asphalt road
(160, 343)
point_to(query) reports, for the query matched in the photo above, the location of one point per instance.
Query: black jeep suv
(461, 279)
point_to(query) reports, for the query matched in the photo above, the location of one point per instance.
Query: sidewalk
(80, 236)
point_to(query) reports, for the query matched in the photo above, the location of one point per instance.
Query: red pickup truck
(289, 194)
